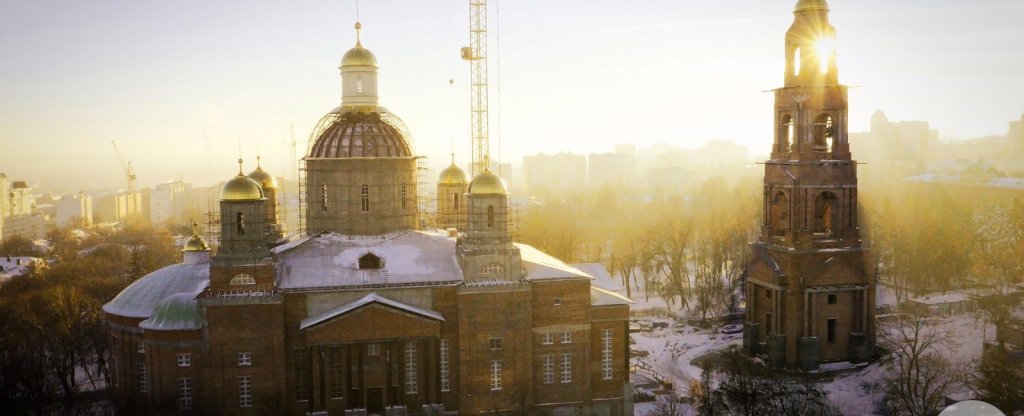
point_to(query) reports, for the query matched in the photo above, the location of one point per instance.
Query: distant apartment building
(74, 210)
(905, 147)
(554, 173)
(611, 169)
(120, 206)
(19, 199)
(29, 227)
(4, 201)
(1016, 138)
(718, 154)
(168, 202)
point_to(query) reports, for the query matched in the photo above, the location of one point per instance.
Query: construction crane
(127, 166)
(476, 54)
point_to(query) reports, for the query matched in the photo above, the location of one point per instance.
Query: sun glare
(825, 48)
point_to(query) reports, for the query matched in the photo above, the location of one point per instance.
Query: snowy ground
(671, 352)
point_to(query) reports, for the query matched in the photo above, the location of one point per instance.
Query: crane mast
(127, 166)
(476, 54)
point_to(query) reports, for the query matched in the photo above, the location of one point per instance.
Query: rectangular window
(245, 391)
(549, 339)
(373, 349)
(140, 347)
(115, 369)
(496, 375)
(185, 360)
(832, 299)
(767, 293)
(403, 196)
(494, 343)
(336, 372)
(410, 368)
(606, 354)
(549, 369)
(143, 378)
(767, 322)
(301, 356)
(323, 198)
(558, 301)
(446, 382)
(567, 368)
(832, 330)
(244, 359)
(364, 197)
(184, 393)
(567, 337)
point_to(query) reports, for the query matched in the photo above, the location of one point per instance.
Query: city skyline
(179, 87)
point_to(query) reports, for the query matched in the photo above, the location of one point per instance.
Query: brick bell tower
(809, 296)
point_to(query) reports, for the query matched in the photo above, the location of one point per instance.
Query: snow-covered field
(671, 352)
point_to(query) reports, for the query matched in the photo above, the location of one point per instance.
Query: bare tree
(920, 376)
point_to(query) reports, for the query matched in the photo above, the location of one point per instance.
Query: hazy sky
(179, 83)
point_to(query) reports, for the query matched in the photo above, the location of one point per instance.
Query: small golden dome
(241, 188)
(358, 56)
(487, 183)
(452, 175)
(806, 5)
(262, 177)
(196, 243)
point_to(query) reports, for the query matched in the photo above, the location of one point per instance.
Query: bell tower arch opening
(824, 133)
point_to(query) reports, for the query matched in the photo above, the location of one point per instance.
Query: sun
(825, 48)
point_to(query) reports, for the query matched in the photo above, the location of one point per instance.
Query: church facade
(810, 295)
(367, 313)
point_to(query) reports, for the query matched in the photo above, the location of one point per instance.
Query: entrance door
(375, 401)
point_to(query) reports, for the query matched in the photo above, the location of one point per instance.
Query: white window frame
(140, 347)
(242, 279)
(244, 359)
(373, 349)
(245, 391)
(185, 393)
(492, 269)
(549, 339)
(494, 343)
(143, 378)
(411, 379)
(567, 337)
(607, 371)
(567, 367)
(446, 381)
(495, 375)
(549, 369)
(184, 359)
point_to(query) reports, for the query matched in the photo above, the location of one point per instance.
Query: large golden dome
(452, 175)
(803, 5)
(262, 177)
(487, 183)
(241, 188)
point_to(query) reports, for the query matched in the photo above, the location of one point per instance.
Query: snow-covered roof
(366, 300)
(177, 312)
(15, 266)
(936, 299)
(604, 278)
(332, 260)
(603, 297)
(140, 298)
(541, 266)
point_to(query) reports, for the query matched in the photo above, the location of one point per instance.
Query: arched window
(780, 213)
(493, 269)
(364, 196)
(323, 197)
(490, 216)
(242, 279)
(240, 223)
(823, 133)
(404, 195)
(787, 132)
(797, 61)
(825, 213)
(370, 261)
(455, 202)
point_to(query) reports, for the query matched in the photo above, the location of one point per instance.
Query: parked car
(731, 329)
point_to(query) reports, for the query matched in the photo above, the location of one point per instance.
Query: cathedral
(369, 312)
(810, 298)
